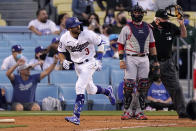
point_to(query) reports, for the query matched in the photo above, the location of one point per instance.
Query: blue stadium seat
(44, 43)
(117, 76)
(63, 77)
(3, 77)
(101, 77)
(24, 43)
(3, 55)
(5, 49)
(4, 43)
(43, 81)
(44, 37)
(44, 91)
(69, 94)
(101, 102)
(8, 92)
(16, 36)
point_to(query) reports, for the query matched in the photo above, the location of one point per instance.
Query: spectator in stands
(94, 24)
(106, 29)
(11, 60)
(110, 17)
(52, 50)
(121, 20)
(39, 62)
(42, 25)
(82, 9)
(61, 22)
(158, 96)
(194, 77)
(113, 49)
(24, 85)
(110, 4)
(191, 40)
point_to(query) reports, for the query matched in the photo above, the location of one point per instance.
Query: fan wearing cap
(164, 33)
(39, 62)
(11, 60)
(113, 49)
(24, 85)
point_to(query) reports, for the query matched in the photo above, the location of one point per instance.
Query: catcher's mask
(175, 11)
(137, 9)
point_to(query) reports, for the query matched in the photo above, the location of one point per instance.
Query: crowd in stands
(44, 59)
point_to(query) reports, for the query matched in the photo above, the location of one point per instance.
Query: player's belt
(139, 55)
(87, 60)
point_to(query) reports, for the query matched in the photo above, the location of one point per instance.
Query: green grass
(159, 129)
(84, 113)
(12, 126)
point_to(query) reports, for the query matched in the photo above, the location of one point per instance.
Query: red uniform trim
(194, 78)
(151, 44)
(120, 46)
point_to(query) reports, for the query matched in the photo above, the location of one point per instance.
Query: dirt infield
(94, 123)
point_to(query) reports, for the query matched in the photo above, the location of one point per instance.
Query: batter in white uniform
(80, 45)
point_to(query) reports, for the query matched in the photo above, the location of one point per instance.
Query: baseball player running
(80, 45)
(136, 41)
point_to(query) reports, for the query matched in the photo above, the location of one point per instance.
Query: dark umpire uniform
(164, 33)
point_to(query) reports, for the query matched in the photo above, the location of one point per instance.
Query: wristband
(154, 57)
(121, 56)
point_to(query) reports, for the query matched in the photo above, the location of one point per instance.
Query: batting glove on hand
(66, 64)
(98, 65)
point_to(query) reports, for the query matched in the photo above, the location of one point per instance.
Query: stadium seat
(63, 77)
(44, 43)
(16, 36)
(44, 37)
(117, 76)
(24, 43)
(101, 77)
(69, 94)
(2, 22)
(63, 8)
(3, 77)
(8, 93)
(4, 43)
(44, 91)
(43, 81)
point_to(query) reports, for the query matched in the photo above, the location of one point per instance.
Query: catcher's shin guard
(143, 86)
(129, 85)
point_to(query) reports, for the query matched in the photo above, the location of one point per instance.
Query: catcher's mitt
(191, 109)
(178, 12)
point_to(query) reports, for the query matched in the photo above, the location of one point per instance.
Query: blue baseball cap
(17, 48)
(72, 22)
(113, 37)
(55, 40)
(39, 49)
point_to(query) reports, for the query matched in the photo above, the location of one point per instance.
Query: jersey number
(87, 51)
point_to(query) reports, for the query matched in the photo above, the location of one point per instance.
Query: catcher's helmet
(139, 9)
(72, 22)
(191, 109)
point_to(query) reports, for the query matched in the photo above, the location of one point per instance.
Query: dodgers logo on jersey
(78, 48)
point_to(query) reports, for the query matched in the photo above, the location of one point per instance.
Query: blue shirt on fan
(158, 92)
(24, 91)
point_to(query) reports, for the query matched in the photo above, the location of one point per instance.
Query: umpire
(164, 33)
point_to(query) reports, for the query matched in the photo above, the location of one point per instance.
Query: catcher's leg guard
(129, 85)
(143, 86)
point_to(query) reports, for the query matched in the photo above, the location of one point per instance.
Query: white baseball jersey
(46, 28)
(9, 61)
(82, 48)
